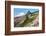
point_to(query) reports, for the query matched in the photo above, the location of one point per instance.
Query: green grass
(28, 20)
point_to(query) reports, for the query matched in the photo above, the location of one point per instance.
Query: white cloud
(20, 14)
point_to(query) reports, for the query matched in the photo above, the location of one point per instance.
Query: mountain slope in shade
(19, 20)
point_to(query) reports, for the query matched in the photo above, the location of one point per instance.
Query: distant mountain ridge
(20, 19)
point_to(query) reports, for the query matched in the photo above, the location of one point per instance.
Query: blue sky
(17, 11)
